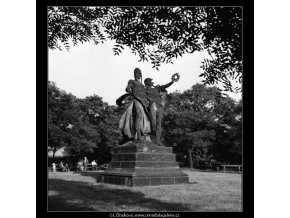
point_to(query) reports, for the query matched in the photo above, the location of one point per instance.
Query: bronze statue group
(145, 106)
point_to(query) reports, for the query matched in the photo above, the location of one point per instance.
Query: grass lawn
(207, 191)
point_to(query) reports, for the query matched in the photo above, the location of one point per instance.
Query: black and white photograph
(145, 109)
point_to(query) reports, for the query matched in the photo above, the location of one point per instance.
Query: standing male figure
(85, 163)
(53, 167)
(156, 97)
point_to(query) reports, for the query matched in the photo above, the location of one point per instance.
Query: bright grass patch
(207, 191)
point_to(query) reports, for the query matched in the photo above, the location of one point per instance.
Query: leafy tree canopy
(158, 34)
(85, 126)
(204, 125)
(67, 124)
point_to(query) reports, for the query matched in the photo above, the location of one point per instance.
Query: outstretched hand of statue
(175, 77)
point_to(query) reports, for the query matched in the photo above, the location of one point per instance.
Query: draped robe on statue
(127, 124)
(136, 117)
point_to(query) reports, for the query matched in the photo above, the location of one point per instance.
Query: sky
(88, 69)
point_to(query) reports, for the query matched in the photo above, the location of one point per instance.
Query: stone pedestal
(143, 164)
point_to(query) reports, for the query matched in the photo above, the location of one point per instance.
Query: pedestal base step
(143, 164)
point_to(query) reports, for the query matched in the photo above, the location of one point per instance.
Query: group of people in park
(63, 167)
(145, 107)
(82, 165)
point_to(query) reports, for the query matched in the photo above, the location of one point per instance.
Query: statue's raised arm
(175, 77)
(157, 96)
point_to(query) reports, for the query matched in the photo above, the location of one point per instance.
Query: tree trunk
(53, 153)
(190, 159)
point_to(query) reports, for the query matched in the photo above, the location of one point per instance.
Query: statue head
(148, 82)
(137, 73)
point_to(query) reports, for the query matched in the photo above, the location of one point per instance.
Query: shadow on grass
(84, 196)
(94, 174)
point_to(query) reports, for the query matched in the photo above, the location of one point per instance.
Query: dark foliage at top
(158, 34)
